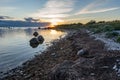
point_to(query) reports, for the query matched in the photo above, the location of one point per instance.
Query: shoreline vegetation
(78, 56)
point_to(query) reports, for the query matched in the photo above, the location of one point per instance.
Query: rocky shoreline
(78, 56)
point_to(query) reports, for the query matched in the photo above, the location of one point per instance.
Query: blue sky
(61, 10)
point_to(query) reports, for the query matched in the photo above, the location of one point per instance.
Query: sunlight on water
(15, 48)
(53, 32)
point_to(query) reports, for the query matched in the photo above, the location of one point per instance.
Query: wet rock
(34, 42)
(105, 67)
(40, 39)
(92, 74)
(54, 55)
(82, 52)
(35, 34)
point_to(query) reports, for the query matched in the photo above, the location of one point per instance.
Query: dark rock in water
(40, 39)
(64, 71)
(34, 42)
(35, 34)
(34, 45)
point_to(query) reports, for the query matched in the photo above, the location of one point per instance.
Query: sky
(60, 11)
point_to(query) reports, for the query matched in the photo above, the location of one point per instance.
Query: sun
(55, 22)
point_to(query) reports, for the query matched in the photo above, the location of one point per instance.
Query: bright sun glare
(55, 22)
(53, 31)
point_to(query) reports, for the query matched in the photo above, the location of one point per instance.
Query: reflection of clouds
(2, 33)
(28, 31)
(9, 33)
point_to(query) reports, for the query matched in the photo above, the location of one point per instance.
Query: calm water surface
(15, 48)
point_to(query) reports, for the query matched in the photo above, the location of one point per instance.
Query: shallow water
(15, 48)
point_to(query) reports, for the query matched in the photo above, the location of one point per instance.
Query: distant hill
(18, 23)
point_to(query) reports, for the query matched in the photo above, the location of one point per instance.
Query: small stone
(118, 71)
(105, 67)
(114, 67)
(28, 76)
(82, 52)
(92, 74)
(61, 48)
(53, 54)
(35, 34)
(117, 60)
(119, 75)
(21, 72)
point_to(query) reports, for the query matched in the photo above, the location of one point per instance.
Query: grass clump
(107, 28)
(103, 28)
(69, 26)
(112, 34)
(118, 39)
